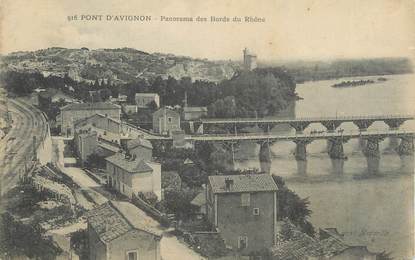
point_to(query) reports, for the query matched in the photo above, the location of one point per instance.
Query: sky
(295, 29)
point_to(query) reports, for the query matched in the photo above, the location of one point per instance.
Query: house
(166, 120)
(85, 143)
(100, 121)
(119, 99)
(129, 109)
(73, 112)
(331, 245)
(141, 148)
(119, 230)
(143, 100)
(243, 209)
(90, 141)
(129, 175)
(194, 113)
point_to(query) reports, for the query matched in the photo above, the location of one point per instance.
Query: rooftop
(242, 183)
(132, 165)
(115, 218)
(86, 119)
(300, 246)
(195, 109)
(90, 106)
(200, 199)
(139, 142)
(146, 94)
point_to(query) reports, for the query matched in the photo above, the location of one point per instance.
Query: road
(171, 247)
(16, 149)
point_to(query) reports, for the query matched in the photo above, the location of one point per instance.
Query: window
(169, 119)
(256, 211)
(242, 242)
(132, 255)
(245, 199)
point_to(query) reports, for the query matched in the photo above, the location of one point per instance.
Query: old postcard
(217, 130)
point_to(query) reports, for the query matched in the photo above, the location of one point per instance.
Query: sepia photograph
(207, 130)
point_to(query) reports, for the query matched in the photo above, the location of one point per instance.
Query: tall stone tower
(249, 60)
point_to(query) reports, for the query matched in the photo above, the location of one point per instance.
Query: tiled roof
(169, 112)
(146, 94)
(86, 119)
(91, 106)
(243, 183)
(195, 109)
(113, 219)
(139, 142)
(130, 165)
(300, 246)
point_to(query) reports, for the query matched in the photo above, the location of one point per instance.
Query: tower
(249, 60)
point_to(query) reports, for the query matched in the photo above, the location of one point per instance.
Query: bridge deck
(304, 119)
(291, 137)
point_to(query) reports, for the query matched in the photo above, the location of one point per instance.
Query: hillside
(323, 70)
(115, 65)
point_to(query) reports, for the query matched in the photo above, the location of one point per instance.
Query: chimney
(228, 184)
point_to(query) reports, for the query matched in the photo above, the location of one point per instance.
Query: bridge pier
(372, 153)
(406, 147)
(363, 124)
(301, 150)
(266, 127)
(331, 126)
(299, 126)
(265, 158)
(231, 146)
(394, 124)
(335, 147)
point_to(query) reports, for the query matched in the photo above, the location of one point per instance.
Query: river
(376, 210)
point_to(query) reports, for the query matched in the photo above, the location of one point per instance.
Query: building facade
(142, 100)
(243, 209)
(119, 230)
(194, 113)
(141, 148)
(130, 175)
(165, 121)
(74, 112)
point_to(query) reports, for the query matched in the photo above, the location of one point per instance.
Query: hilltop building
(243, 209)
(119, 230)
(250, 60)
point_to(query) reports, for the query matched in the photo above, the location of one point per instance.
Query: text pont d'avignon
(149, 18)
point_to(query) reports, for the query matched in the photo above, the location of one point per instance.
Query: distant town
(122, 154)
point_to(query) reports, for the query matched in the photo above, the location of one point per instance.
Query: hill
(117, 66)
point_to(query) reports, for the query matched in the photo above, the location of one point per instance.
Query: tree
(178, 203)
(291, 206)
(80, 243)
(95, 161)
(152, 105)
(19, 239)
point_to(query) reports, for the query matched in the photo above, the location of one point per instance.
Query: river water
(373, 210)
